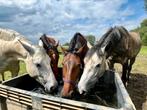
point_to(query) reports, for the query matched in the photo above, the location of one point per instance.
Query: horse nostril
(52, 88)
(83, 92)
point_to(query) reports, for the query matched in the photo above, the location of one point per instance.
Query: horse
(117, 45)
(14, 48)
(50, 45)
(73, 64)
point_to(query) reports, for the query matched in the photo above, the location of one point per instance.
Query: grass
(140, 65)
(143, 51)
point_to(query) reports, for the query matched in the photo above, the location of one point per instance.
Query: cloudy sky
(62, 18)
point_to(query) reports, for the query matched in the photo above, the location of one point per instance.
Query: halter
(74, 83)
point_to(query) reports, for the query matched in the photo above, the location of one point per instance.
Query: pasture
(137, 86)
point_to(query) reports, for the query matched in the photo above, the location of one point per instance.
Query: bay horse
(117, 45)
(73, 64)
(14, 48)
(50, 45)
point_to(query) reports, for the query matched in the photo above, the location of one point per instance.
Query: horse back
(134, 44)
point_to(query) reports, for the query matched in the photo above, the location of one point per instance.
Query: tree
(144, 39)
(66, 44)
(144, 23)
(142, 31)
(90, 39)
(145, 4)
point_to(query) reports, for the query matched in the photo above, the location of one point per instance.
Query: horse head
(94, 66)
(72, 69)
(38, 65)
(50, 45)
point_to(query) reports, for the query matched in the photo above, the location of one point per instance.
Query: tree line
(142, 29)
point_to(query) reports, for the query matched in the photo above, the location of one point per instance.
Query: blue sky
(63, 18)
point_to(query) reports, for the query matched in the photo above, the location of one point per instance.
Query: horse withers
(117, 45)
(50, 45)
(73, 64)
(14, 47)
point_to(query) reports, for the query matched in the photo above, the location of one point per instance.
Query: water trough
(15, 94)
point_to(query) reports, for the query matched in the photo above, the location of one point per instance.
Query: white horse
(14, 48)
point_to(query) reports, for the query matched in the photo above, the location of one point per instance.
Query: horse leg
(132, 60)
(15, 69)
(3, 76)
(124, 72)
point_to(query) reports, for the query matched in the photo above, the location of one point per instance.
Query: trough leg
(3, 105)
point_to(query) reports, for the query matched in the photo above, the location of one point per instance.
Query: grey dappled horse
(117, 45)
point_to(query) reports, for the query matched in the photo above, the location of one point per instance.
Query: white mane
(9, 35)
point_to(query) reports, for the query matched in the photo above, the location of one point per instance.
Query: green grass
(140, 65)
(21, 71)
(143, 51)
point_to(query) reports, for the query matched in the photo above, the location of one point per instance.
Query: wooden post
(36, 103)
(3, 104)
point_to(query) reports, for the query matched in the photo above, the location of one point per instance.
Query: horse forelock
(92, 50)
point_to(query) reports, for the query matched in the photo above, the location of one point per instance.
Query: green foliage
(143, 51)
(66, 44)
(145, 5)
(143, 31)
(91, 39)
(144, 23)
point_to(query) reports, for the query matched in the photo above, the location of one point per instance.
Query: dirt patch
(137, 89)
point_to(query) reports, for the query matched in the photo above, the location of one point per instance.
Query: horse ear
(80, 49)
(103, 49)
(40, 43)
(57, 43)
(89, 45)
(106, 47)
(63, 49)
(29, 48)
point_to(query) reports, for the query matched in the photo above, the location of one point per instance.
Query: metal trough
(12, 98)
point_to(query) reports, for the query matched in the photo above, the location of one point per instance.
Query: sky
(63, 18)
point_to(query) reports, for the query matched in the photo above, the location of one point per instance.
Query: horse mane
(111, 39)
(9, 35)
(102, 39)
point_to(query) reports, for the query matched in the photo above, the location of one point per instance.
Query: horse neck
(14, 50)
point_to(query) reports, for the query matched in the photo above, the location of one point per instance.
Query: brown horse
(50, 45)
(73, 64)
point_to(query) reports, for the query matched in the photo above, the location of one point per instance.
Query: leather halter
(70, 82)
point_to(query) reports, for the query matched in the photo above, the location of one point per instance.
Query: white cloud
(62, 18)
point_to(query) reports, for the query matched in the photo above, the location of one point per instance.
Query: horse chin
(50, 88)
(82, 90)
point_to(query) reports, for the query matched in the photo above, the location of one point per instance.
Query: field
(137, 86)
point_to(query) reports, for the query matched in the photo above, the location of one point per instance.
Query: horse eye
(98, 65)
(38, 65)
